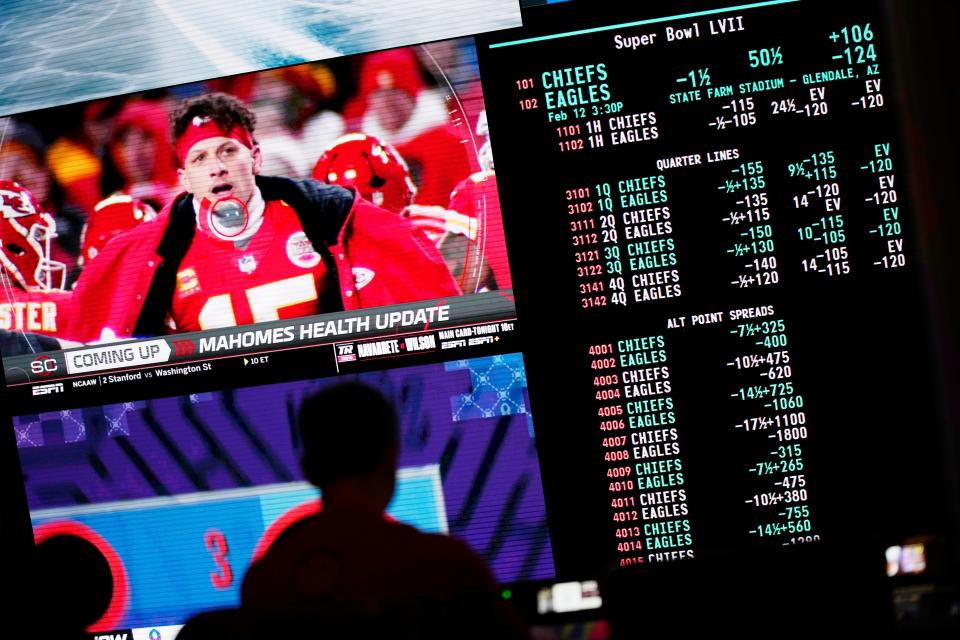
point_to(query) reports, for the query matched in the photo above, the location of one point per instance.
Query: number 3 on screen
(216, 544)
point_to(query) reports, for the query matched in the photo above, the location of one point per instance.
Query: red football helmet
(25, 235)
(110, 218)
(375, 169)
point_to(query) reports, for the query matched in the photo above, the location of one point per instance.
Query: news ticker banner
(163, 632)
(173, 557)
(65, 51)
(444, 325)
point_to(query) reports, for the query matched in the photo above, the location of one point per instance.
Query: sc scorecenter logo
(43, 366)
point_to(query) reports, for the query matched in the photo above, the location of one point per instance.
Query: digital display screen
(156, 389)
(722, 220)
(205, 482)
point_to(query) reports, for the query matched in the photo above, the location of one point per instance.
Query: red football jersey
(277, 276)
(438, 159)
(35, 311)
(477, 196)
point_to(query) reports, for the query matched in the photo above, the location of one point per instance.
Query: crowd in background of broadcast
(425, 101)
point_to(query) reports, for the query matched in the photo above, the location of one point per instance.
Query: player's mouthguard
(224, 218)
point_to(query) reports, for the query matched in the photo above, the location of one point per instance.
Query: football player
(111, 217)
(32, 285)
(375, 169)
(381, 175)
(476, 197)
(236, 247)
(394, 104)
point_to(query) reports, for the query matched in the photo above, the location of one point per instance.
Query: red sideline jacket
(129, 287)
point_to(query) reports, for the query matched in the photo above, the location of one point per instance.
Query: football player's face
(219, 167)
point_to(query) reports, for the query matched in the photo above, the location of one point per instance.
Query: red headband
(202, 128)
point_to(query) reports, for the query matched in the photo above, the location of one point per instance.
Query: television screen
(729, 261)
(180, 494)
(648, 286)
(157, 342)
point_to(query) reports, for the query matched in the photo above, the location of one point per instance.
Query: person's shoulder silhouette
(352, 558)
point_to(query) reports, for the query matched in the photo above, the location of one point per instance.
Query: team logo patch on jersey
(301, 252)
(187, 282)
(362, 277)
(247, 264)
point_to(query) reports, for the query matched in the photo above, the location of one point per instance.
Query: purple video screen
(163, 486)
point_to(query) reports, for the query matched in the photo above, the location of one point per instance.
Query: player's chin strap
(321, 208)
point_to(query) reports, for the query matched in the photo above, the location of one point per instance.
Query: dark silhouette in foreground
(73, 587)
(350, 570)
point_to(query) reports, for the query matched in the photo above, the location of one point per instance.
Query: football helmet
(375, 169)
(25, 235)
(110, 218)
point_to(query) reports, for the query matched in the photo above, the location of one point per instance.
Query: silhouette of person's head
(350, 442)
(76, 581)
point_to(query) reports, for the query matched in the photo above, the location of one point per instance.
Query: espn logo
(47, 389)
(345, 353)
